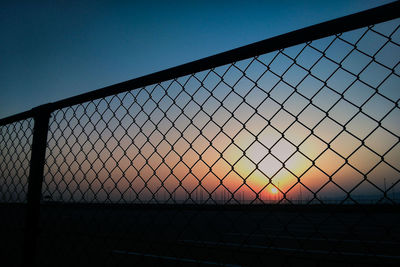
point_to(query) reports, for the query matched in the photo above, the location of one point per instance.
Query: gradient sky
(51, 50)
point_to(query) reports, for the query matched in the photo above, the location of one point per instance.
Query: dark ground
(183, 235)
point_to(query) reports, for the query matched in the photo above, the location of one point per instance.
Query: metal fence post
(40, 130)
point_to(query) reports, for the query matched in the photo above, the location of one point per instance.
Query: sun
(274, 190)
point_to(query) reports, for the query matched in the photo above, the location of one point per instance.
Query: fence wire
(274, 155)
(15, 150)
(290, 157)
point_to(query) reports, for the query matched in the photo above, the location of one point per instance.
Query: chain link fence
(288, 157)
(15, 153)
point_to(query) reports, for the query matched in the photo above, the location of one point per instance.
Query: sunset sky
(315, 121)
(250, 136)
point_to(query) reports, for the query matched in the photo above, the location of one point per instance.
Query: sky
(322, 123)
(52, 50)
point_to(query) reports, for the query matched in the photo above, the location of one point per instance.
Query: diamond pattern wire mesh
(291, 153)
(330, 102)
(15, 150)
(240, 152)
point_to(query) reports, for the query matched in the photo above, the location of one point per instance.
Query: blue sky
(51, 50)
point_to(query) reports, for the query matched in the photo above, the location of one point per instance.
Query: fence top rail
(347, 23)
